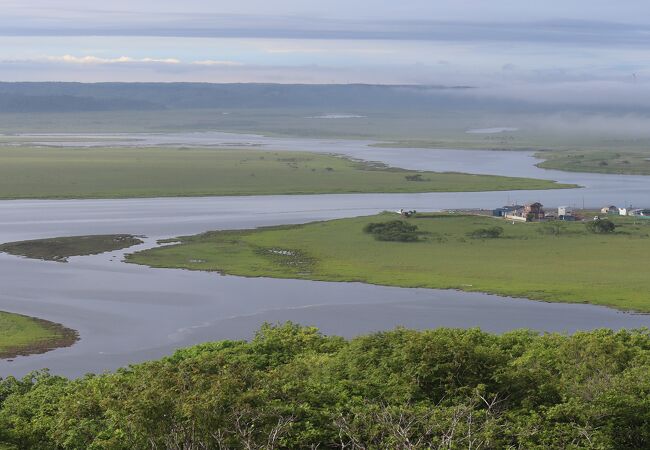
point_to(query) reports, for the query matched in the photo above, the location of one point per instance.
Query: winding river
(126, 313)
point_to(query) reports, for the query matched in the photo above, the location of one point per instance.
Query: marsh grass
(60, 249)
(574, 266)
(59, 173)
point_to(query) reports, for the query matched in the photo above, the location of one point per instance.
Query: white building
(564, 211)
(630, 211)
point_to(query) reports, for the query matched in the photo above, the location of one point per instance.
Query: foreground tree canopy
(291, 387)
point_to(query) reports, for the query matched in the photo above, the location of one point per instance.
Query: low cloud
(97, 60)
(630, 93)
(421, 28)
(629, 126)
(121, 60)
(212, 63)
(90, 60)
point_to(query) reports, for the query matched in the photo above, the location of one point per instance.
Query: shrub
(486, 233)
(396, 230)
(416, 177)
(601, 226)
(551, 229)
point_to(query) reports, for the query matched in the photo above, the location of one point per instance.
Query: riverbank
(528, 261)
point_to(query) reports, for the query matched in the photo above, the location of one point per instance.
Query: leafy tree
(292, 387)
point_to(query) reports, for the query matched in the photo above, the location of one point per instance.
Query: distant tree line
(292, 387)
(63, 97)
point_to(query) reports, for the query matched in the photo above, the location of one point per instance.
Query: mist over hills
(21, 103)
(50, 97)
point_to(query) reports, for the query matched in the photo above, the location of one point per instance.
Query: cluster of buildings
(534, 212)
(530, 212)
(629, 211)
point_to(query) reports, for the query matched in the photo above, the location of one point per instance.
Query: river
(127, 314)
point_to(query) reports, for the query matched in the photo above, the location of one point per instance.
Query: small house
(506, 210)
(526, 213)
(639, 212)
(534, 211)
(565, 213)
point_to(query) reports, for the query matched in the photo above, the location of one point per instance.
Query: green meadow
(22, 335)
(612, 161)
(531, 260)
(57, 173)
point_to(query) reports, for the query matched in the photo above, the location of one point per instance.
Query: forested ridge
(292, 387)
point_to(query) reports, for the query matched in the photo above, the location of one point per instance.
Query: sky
(485, 43)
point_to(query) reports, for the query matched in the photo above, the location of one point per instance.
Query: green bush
(554, 228)
(486, 233)
(416, 177)
(396, 230)
(601, 226)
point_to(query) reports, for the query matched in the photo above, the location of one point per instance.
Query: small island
(22, 335)
(61, 248)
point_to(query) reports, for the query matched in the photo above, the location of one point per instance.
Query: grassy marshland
(52, 173)
(60, 249)
(526, 260)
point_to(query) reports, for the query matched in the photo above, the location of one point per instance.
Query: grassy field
(22, 335)
(60, 249)
(50, 173)
(621, 162)
(575, 266)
